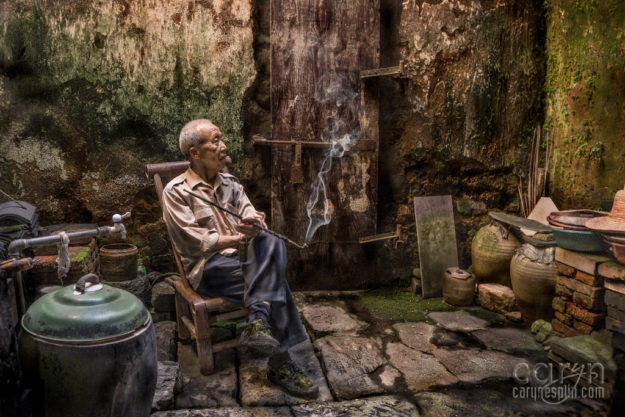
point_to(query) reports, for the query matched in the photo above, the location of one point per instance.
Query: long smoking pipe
(261, 227)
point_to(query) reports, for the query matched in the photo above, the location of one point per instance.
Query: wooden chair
(194, 313)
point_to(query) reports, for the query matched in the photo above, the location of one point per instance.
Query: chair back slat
(167, 170)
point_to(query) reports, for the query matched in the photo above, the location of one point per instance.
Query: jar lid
(85, 314)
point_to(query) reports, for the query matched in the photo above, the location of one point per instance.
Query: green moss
(402, 305)
(129, 96)
(82, 257)
(585, 98)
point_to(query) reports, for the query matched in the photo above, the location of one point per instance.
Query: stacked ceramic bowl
(612, 227)
(571, 231)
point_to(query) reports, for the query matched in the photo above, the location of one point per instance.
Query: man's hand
(246, 227)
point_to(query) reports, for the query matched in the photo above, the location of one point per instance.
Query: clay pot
(118, 262)
(458, 287)
(533, 273)
(491, 250)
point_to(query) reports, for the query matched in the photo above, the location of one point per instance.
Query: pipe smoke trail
(343, 131)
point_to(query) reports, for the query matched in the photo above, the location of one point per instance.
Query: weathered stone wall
(92, 91)
(585, 100)
(461, 120)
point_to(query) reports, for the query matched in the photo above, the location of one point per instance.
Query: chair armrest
(187, 292)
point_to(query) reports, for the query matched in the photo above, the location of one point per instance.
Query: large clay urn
(533, 273)
(491, 251)
(89, 351)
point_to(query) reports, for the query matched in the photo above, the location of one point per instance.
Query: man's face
(212, 151)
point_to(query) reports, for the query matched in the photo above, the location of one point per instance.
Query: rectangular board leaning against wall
(436, 234)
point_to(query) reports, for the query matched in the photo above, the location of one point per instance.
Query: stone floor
(457, 363)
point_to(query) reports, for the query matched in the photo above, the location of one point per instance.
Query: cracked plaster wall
(93, 90)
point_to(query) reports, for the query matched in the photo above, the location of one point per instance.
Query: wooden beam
(380, 72)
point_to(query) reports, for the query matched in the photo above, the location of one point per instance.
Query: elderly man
(207, 240)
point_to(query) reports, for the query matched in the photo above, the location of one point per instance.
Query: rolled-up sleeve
(244, 205)
(190, 238)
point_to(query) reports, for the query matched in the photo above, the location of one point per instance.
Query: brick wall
(579, 305)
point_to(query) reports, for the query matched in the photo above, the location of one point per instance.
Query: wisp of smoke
(343, 132)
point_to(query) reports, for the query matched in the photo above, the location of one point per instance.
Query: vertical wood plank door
(317, 49)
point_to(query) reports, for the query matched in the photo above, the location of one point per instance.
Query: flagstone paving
(456, 364)
(509, 340)
(490, 402)
(420, 371)
(416, 335)
(323, 320)
(349, 362)
(458, 321)
(475, 365)
(202, 391)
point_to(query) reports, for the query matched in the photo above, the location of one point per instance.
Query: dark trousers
(261, 278)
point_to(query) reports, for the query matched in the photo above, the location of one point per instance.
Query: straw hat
(615, 222)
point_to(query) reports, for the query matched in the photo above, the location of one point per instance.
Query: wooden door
(318, 48)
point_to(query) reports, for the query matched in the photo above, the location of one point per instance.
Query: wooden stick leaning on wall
(536, 177)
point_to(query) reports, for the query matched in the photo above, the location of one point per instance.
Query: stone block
(514, 316)
(584, 315)
(584, 350)
(616, 286)
(372, 406)
(563, 291)
(588, 279)
(616, 314)
(612, 270)
(168, 383)
(163, 300)
(496, 297)
(323, 320)
(474, 366)
(566, 270)
(612, 323)
(596, 304)
(349, 362)
(583, 328)
(421, 371)
(218, 389)
(575, 285)
(166, 344)
(559, 304)
(508, 340)
(416, 335)
(460, 321)
(614, 299)
(563, 329)
(166, 316)
(584, 262)
(564, 318)
(618, 342)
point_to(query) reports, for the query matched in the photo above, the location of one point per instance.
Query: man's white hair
(191, 135)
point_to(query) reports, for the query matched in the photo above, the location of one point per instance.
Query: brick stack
(613, 275)
(614, 281)
(83, 260)
(579, 306)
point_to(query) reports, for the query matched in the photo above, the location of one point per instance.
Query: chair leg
(181, 310)
(203, 341)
